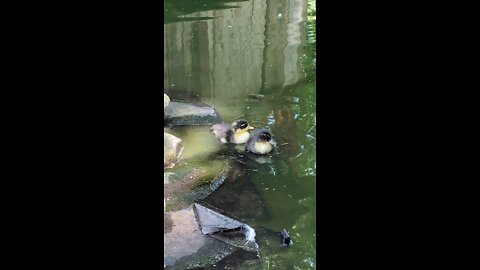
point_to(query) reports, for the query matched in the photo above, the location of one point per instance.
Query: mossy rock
(193, 180)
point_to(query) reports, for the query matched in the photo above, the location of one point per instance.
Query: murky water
(256, 60)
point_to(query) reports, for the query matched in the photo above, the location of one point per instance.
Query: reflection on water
(244, 49)
(256, 60)
(181, 10)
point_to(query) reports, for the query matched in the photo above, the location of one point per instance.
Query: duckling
(237, 133)
(260, 142)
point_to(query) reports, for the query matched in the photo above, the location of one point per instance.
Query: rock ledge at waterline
(191, 178)
(187, 114)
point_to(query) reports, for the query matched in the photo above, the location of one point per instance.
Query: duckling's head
(240, 131)
(264, 136)
(261, 142)
(241, 125)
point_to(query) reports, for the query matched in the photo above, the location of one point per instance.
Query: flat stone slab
(182, 236)
(188, 114)
(187, 248)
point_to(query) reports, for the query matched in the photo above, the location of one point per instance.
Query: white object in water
(166, 101)
(249, 233)
(166, 177)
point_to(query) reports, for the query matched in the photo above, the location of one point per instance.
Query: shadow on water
(177, 10)
(259, 46)
(238, 195)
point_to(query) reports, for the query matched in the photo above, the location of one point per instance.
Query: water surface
(256, 60)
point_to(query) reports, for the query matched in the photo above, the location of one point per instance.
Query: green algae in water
(198, 142)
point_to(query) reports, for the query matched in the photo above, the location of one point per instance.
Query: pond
(256, 60)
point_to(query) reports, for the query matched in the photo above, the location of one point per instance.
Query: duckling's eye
(243, 125)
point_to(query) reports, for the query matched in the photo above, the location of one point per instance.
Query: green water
(256, 60)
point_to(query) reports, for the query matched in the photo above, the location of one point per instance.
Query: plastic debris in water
(286, 240)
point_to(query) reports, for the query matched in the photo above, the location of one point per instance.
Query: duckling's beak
(250, 127)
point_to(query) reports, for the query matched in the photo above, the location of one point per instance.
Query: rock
(181, 235)
(187, 95)
(186, 114)
(166, 101)
(186, 247)
(171, 150)
(203, 167)
(224, 228)
(192, 181)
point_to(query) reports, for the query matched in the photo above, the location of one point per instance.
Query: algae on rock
(193, 181)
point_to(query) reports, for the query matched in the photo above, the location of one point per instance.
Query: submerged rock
(239, 196)
(171, 150)
(186, 114)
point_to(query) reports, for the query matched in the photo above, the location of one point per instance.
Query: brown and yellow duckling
(260, 142)
(237, 132)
